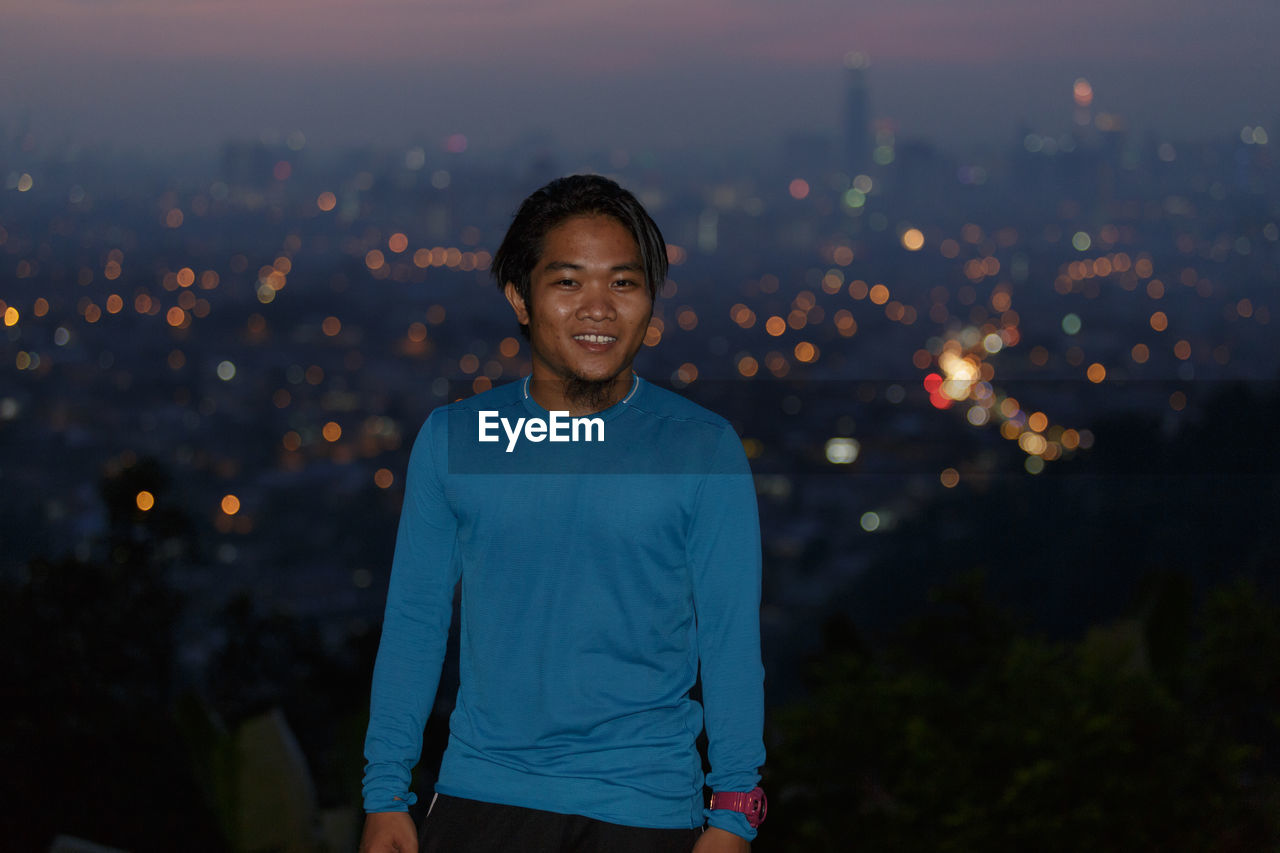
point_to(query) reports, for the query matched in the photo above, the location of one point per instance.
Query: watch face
(759, 806)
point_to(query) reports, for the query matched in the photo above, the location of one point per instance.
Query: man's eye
(566, 282)
(625, 282)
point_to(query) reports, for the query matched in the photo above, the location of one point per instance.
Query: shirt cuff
(399, 803)
(730, 821)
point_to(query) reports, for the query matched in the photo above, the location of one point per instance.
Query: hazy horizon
(170, 77)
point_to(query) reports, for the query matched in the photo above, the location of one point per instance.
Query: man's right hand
(389, 832)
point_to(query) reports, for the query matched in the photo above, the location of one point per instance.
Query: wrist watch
(754, 804)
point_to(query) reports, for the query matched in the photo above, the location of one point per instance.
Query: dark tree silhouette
(89, 744)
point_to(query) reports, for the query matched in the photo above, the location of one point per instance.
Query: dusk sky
(695, 74)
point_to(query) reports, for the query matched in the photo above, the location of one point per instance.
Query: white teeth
(595, 339)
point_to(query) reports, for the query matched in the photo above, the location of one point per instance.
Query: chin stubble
(589, 394)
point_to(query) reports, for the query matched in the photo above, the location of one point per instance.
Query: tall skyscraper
(857, 114)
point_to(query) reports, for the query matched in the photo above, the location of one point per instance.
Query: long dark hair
(565, 198)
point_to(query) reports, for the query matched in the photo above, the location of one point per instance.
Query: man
(600, 578)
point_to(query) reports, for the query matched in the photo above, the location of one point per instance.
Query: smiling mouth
(595, 339)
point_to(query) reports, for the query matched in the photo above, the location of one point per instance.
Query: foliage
(89, 746)
(965, 734)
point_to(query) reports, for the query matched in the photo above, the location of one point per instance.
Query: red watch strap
(753, 804)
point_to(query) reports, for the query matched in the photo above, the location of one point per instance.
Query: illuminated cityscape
(889, 323)
(291, 314)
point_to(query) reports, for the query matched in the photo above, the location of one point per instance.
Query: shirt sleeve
(724, 552)
(415, 627)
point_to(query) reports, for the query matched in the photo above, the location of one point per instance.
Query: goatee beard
(590, 395)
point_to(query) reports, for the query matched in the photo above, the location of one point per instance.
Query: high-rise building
(857, 114)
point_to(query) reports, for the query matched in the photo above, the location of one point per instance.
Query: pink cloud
(600, 36)
(208, 66)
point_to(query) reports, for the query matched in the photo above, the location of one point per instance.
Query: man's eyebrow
(556, 266)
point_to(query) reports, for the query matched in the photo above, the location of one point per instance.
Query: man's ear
(517, 303)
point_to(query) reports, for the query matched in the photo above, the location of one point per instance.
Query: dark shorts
(455, 825)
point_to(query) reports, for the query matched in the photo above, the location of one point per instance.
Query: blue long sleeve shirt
(597, 578)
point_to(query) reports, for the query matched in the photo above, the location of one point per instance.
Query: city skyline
(136, 74)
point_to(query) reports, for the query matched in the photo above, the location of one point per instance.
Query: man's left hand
(716, 840)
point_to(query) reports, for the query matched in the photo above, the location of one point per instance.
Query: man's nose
(597, 302)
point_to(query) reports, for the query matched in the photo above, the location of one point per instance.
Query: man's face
(590, 304)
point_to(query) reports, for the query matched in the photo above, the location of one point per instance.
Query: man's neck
(579, 398)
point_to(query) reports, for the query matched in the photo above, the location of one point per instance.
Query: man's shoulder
(660, 402)
(692, 438)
